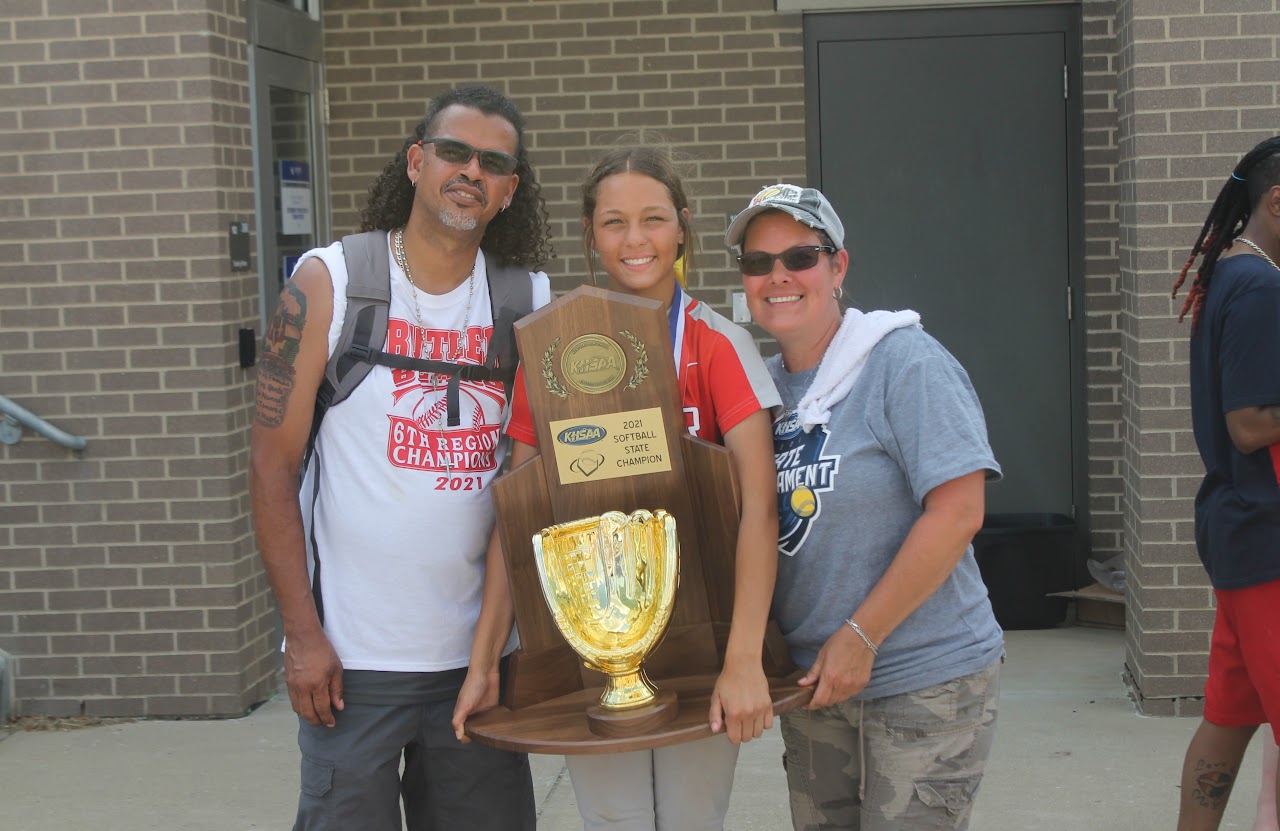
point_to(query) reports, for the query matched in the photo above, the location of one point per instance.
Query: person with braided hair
(1234, 303)
(380, 568)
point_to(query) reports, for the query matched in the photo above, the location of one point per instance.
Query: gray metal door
(944, 141)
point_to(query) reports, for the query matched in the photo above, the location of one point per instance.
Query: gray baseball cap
(807, 205)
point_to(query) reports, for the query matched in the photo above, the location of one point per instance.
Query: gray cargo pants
(351, 774)
(908, 761)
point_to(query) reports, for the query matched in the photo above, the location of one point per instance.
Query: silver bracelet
(855, 627)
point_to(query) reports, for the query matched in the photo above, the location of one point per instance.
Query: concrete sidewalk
(1071, 752)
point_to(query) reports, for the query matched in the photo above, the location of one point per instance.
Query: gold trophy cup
(610, 583)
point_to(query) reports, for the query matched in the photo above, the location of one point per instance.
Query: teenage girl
(635, 220)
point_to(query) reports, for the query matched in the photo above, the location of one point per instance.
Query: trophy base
(557, 726)
(622, 724)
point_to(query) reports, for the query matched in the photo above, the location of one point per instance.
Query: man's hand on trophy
(313, 675)
(740, 702)
(479, 693)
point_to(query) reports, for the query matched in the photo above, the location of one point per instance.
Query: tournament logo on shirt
(804, 474)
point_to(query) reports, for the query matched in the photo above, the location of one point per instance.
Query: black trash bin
(1024, 557)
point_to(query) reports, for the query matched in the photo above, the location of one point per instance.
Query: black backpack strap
(456, 373)
(316, 594)
(364, 329)
(511, 298)
(368, 302)
(363, 325)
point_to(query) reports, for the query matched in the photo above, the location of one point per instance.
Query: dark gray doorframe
(869, 32)
(287, 116)
(288, 121)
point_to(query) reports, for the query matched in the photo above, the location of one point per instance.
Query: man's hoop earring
(838, 292)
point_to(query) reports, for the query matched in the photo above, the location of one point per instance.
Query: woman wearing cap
(882, 457)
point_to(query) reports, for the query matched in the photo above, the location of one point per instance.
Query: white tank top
(403, 514)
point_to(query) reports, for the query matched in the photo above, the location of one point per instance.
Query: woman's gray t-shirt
(849, 492)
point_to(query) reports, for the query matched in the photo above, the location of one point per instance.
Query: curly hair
(656, 162)
(520, 235)
(1253, 176)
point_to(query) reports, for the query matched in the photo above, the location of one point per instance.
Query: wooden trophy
(602, 386)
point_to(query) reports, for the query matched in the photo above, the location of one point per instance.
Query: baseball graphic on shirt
(428, 414)
(431, 413)
(803, 502)
(420, 437)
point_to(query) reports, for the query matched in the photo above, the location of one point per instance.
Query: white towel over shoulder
(845, 356)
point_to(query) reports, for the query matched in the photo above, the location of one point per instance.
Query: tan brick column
(1102, 280)
(1196, 90)
(128, 577)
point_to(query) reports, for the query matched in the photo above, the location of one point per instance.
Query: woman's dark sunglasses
(453, 151)
(800, 258)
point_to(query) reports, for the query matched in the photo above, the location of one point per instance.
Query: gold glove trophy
(610, 582)
(624, 525)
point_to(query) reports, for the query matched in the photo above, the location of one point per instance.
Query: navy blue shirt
(1235, 363)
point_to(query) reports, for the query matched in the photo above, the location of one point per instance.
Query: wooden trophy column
(603, 388)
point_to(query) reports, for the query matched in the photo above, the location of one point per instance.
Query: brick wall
(721, 80)
(128, 578)
(1196, 91)
(129, 583)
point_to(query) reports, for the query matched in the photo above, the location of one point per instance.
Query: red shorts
(1244, 659)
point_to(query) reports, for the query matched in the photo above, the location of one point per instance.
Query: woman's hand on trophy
(740, 702)
(479, 693)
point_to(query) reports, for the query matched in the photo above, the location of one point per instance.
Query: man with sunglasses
(380, 568)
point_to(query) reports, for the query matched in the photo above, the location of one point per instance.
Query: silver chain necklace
(397, 244)
(1261, 253)
(401, 260)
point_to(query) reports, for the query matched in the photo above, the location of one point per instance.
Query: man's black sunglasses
(453, 151)
(800, 258)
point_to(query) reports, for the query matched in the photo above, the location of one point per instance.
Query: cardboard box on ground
(1097, 605)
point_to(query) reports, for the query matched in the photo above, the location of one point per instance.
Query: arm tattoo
(280, 347)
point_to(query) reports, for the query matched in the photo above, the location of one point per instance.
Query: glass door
(291, 170)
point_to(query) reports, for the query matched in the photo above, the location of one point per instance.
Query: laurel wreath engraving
(549, 374)
(642, 361)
